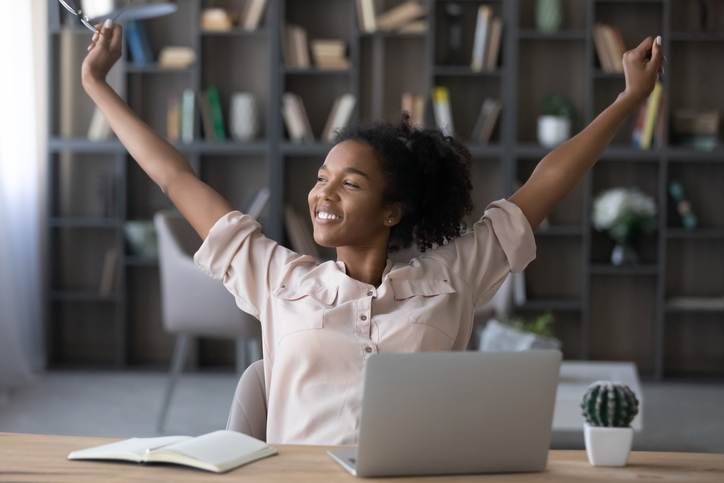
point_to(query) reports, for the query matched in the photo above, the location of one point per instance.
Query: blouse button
(283, 286)
(363, 317)
(369, 294)
(368, 349)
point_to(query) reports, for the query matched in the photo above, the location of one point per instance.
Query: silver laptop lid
(457, 412)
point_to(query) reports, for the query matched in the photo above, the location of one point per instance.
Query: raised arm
(563, 168)
(199, 203)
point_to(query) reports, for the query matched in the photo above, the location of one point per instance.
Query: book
(295, 118)
(135, 45)
(173, 114)
(206, 122)
(215, 19)
(145, 43)
(366, 15)
(339, 116)
(329, 53)
(400, 15)
(481, 37)
(441, 110)
(613, 47)
(661, 117)
(638, 126)
(414, 27)
(217, 119)
(176, 57)
(601, 48)
(496, 34)
(697, 303)
(99, 129)
(188, 104)
(296, 48)
(255, 203)
(487, 119)
(300, 235)
(108, 276)
(218, 452)
(414, 105)
(251, 15)
(652, 108)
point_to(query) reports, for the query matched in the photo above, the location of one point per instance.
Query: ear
(393, 214)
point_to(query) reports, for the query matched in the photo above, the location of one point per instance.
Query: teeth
(327, 216)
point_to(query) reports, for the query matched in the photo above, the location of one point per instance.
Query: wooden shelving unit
(602, 312)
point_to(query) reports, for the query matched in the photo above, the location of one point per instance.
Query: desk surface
(26, 457)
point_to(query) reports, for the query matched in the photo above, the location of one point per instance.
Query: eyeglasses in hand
(72, 7)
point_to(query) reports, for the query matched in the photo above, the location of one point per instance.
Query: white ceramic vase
(553, 130)
(607, 446)
(243, 116)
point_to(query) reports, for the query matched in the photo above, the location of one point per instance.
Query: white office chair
(195, 305)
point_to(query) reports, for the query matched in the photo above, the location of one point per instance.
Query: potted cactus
(609, 407)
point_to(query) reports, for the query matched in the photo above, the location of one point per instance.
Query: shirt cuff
(223, 241)
(513, 232)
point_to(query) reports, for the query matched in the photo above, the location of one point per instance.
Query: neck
(365, 264)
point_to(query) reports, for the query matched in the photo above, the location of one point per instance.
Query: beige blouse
(320, 325)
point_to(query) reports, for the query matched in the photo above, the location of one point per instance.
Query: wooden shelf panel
(698, 233)
(84, 296)
(531, 34)
(78, 222)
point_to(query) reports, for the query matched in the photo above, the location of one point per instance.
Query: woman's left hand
(642, 67)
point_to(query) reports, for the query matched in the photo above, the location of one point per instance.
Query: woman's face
(346, 204)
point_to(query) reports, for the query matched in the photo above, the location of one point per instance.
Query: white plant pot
(243, 116)
(607, 446)
(553, 130)
(497, 336)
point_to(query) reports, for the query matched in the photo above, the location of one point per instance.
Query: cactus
(609, 404)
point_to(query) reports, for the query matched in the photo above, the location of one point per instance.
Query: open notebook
(219, 451)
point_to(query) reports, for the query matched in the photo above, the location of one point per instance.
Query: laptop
(446, 413)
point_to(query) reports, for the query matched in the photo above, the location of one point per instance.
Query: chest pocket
(428, 302)
(301, 308)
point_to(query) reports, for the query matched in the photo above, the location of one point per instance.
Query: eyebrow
(348, 170)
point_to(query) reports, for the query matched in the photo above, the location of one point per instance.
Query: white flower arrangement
(623, 212)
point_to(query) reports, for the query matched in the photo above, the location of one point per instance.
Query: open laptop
(444, 413)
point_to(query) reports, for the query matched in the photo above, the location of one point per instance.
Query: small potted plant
(554, 126)
(519, 334)
(609, 407)
(624, 213)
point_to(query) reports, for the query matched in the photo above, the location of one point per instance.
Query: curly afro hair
(428, 172)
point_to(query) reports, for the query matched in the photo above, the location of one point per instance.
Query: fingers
(645, 46)
(106, 33)
(657, 56)
(117, 38)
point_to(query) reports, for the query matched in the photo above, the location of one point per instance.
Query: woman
(381, 188)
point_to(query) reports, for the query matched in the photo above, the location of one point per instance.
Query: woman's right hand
(104, 52)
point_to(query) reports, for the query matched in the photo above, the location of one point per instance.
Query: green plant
(541, 325)
(557, 105)
(609, 404)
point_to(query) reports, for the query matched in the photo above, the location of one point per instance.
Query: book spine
(496, 34)
(441, 110)
(134, 43)
(172, 118)
(216, 114)
(481, 34)
(145, 44)
(187, 121)
(251, 21)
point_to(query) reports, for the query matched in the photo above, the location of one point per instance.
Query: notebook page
(218, 447)
(133, 449)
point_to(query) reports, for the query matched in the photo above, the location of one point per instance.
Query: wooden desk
(25, 457)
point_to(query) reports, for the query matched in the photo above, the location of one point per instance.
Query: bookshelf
(602, 312)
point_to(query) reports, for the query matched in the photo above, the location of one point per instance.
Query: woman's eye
(350, 184)
(319, 180)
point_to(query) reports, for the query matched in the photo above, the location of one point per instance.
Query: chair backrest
(249, 409)
(191, 301)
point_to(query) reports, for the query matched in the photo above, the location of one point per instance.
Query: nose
(326, 192)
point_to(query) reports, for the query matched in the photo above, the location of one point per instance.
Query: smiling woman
(382, 188)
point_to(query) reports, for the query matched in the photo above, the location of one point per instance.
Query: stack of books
(339, 116)
(138, 43)
(406, 17)
(609, 47)
(181, 115)
(329, 54)
(172, 57)
(486, 46)
(220, 19)
(697, 128)
(296, 51)
(297, 122)
(650, 120)
(489, 113)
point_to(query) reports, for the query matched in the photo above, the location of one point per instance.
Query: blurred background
(107, 328)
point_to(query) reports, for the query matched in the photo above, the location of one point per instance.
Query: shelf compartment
(684, 155)
(468, 21)
(603, 269)
(85, 332)
(699, 180)
(84, 145)
(84, 296)
(694, 344)
(714, 233)
(235, 179)
(87, 222)
(464, 71)
(531, 34)
(573, 13)
(313, 71)
(236, 32)
(693, 268)
(557, 271)
(155, 68)
(152, 344)
(555, 230)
